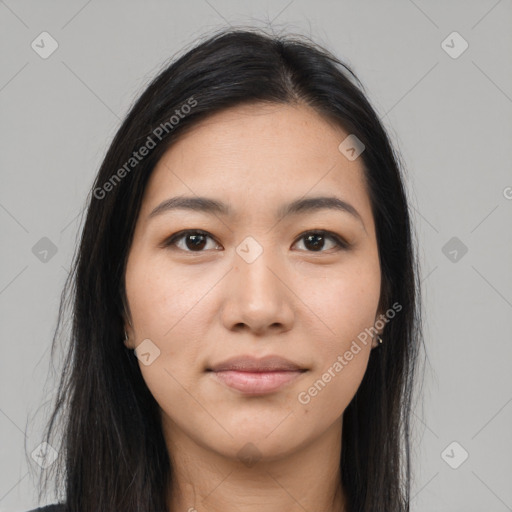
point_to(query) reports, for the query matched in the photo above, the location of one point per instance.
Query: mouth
(252, 376)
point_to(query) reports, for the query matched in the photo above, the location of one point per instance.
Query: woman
(246, 318)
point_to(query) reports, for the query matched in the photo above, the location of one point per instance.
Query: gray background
(449, 117)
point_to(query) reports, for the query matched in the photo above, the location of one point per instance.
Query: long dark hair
(113, 455)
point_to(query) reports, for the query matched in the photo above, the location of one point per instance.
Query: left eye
(195, 240)
(317, 240)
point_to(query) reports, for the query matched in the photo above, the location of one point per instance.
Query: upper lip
(254, 364)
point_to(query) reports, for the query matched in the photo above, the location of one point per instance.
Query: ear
(375, 341)
(125, 336)
(380, 313)
(128, 343)
(128, 334)
(128, 331)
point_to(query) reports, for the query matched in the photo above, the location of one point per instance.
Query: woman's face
(254, 284)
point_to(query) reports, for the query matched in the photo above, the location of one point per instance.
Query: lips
(253, 376)
(253, 364)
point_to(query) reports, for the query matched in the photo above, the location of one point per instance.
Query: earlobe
(127, 326)
(377, 341)
(126, 340)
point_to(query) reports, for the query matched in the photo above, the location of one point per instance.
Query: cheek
(344, 302)
(167, 309)
(329, 392)
(163, 313)
(163, 299)
(345, 307)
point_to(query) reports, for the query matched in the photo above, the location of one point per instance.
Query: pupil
(318, 244)
(198, 241)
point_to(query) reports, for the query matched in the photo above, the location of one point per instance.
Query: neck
(204, 480)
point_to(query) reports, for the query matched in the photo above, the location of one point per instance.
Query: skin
(201, 308)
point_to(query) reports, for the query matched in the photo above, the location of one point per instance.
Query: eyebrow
(215, 207)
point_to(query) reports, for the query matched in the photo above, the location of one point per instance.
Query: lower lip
(254, 383)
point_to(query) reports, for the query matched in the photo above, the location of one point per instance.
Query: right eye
(194, 240)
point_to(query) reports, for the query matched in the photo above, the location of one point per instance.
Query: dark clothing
(57, 507)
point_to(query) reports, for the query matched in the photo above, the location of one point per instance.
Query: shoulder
(57, 507)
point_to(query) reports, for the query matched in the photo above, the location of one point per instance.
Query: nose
(257, 298)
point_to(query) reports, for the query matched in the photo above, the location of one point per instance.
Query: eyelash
(339, 242)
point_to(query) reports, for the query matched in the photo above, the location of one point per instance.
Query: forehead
(259, 156)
